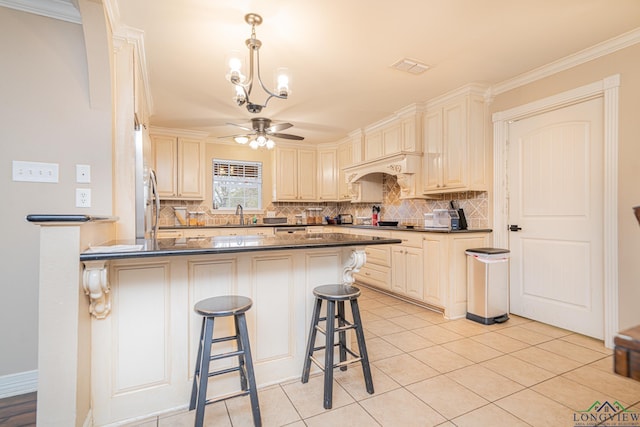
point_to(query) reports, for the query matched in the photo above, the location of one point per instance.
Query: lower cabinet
(426, 267)
(406, 265)
(445, 270)
(377, 270)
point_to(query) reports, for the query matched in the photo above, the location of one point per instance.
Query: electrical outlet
(83, 197)
(35, 171)
(83, 174)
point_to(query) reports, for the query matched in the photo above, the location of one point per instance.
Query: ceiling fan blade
(286, 136)
(234, 136)
(278, 127)
(241, 127)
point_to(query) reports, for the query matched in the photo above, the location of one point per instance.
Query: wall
(625, 62)
(45, 116)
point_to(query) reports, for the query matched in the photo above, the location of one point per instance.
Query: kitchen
(82, 123)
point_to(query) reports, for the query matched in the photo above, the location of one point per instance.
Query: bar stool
(339, 294)
(210, 308)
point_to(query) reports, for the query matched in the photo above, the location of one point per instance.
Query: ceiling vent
(410, 66)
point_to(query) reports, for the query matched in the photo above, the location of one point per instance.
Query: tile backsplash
(407, 211)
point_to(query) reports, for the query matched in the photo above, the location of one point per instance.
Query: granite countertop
(369, 227)
(226, 244)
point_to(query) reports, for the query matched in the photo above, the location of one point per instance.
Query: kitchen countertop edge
(366, 227)
(203, 246)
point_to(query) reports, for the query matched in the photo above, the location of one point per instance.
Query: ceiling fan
(261, 132)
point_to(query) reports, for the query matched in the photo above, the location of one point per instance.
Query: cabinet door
(373, 146)
(409, 133)
(454, 118)
(190, 169)
(435, 270)
(345, 155)
(307, 176)
(328, 175)
(398, 270)
(414, 284)
(286, 171)
(165, 163)
(392, 139)
(432, 147)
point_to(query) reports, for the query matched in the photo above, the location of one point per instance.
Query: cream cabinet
(295, 174)
(445, 270)
(435, 268)
(327, 174)
(377, 270)
(345, 159)
(179, 167)
(406, 265)
(455, 153)
(395, 135)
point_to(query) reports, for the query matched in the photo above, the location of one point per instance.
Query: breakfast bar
(138, 312)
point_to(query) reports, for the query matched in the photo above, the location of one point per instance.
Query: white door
(555, 190)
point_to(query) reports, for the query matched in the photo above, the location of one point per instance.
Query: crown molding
(64, 10)
(601, 49)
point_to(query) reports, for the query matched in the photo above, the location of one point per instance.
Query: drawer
(261, 231)
(200, 232)
(370, 232)
(170, 234)
(409, 238)
(373, 276)
(380, 255)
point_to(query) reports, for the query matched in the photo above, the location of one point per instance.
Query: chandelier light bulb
(254, 144)
(282, 82)
(241, 139)
(270, 144)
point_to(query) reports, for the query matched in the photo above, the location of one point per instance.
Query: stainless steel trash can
(488, 285)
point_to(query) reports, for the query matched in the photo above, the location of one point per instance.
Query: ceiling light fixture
(244, 85)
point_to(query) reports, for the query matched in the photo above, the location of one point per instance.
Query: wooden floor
(18, 411)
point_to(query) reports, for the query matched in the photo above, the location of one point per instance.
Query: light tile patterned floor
(429, 371)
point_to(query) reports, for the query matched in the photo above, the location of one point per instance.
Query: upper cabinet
(179, 167)
(327, 174)
(455, 152)
(345, 159)
(395, 135)
(295, 174)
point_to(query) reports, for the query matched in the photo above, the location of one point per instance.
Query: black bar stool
(339, 294)
(210, 308)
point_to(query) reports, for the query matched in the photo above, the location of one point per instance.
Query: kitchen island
(142, 330)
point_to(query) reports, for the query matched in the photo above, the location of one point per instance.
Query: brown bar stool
(210, 308)
(339, 294)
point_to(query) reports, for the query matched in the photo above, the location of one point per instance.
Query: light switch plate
(35, 171)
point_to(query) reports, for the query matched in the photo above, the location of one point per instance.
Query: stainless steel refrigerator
(146, 194)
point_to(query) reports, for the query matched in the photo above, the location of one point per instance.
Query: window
(237, 183)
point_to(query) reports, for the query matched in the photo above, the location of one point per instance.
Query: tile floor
(429, 371)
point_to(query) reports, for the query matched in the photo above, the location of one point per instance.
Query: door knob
(514, 228)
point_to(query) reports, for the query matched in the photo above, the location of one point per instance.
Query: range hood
(405, 166)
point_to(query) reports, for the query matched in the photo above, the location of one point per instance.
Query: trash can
(488, 285)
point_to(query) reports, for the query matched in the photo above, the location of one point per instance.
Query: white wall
(45, 116)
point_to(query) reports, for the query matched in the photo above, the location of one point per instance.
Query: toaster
(345, 218)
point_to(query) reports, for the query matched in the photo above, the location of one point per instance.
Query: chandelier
(243, 84)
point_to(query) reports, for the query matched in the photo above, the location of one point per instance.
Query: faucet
(239, 211)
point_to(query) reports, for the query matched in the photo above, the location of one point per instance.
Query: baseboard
(20, 383)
